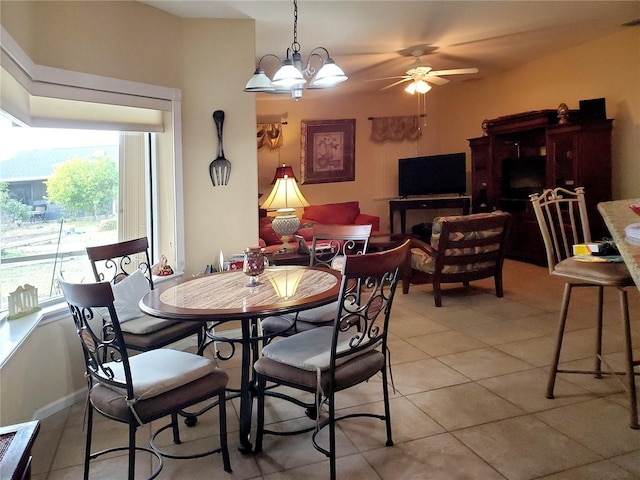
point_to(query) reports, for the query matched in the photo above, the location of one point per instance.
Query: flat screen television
(435, 174)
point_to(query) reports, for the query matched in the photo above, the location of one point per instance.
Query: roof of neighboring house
(38, 164)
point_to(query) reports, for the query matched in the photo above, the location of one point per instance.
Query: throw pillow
(267, 233)
(127, 293)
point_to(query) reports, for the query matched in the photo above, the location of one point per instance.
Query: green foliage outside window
(11, 210)
(83, 186)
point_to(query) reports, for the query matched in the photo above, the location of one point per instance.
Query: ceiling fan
(421, 74)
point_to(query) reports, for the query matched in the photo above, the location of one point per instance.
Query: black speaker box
(593, 110)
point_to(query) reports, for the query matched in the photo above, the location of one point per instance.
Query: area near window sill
(14, 332)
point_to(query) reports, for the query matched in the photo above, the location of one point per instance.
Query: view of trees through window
(58, 195)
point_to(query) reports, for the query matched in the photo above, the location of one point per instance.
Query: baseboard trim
(60, 404)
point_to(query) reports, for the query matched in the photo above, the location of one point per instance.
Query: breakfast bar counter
(617, 216)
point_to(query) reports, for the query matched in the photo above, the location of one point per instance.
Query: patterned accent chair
(462, 249)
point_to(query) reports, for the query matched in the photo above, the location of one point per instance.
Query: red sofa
(345, 213)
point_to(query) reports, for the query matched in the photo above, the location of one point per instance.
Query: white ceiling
(365, 37)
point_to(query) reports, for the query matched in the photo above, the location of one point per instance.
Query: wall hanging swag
(270, 135)
(220, 168)
(395, 129)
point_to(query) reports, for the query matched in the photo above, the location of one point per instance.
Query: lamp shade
(288, 76)
(328, 76)
(281, 172)
(285, 196)
(259, 82)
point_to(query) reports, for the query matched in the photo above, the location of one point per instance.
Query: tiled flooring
(469, 402)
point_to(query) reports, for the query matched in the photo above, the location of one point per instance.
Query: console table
(401, 205)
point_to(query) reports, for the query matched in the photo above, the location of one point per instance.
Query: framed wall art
(328, 151)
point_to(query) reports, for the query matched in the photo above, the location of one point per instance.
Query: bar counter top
(617, 215)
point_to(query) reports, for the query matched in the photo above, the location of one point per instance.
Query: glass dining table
(224, 297)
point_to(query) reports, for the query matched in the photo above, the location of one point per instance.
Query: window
(143, 124)
(60, 194)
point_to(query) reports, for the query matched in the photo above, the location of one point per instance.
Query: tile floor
(469, 402)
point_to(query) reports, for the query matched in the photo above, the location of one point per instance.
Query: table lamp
(284, 199)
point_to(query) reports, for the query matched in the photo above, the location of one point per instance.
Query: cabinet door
(563, 154)
(481, 191)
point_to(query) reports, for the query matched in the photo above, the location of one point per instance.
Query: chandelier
(292, 76)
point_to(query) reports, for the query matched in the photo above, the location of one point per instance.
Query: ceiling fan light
(328, 76)
(411, 88)
(422, 86)
(288, 76)
(259, 82)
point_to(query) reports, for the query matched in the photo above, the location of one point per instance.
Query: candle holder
(253, 264)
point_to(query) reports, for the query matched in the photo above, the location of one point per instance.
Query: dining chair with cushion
(463, 248)
(329, 246)
(328, 359)
(563, 221)
(142, 388)
(126, 265)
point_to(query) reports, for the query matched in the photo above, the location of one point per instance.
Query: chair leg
(498, 282)
(564, 309)
(405, 285)
(174, 429)
(598, 364)
(222, 413)
(132, 451)
(260, 387)
(333, 475)
(628, 350)
(387, 409)
(87, 452)
(437, 293)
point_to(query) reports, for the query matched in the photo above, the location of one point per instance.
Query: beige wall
(609, 67)
(44, 373)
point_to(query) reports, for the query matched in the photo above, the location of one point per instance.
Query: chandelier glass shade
(292, 76)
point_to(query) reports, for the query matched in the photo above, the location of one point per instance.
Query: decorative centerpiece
(253, 264)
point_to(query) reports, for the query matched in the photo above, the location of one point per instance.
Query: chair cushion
(420, 260)
(113, 403)
(605, 273)
(348, 374)
(145, 324)
(158, 371)
(310, 350)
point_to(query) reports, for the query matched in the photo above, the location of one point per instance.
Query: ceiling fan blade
(396, 83)
(435, 80)
(455, 71)
(406, 77)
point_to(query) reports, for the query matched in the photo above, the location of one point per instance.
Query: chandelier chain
(295, 46)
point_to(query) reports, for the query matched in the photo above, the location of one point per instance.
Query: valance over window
(395, 129)
(270, 135)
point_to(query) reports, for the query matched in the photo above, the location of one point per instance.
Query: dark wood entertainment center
(528, 152)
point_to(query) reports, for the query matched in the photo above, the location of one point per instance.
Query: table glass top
(228, 290)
